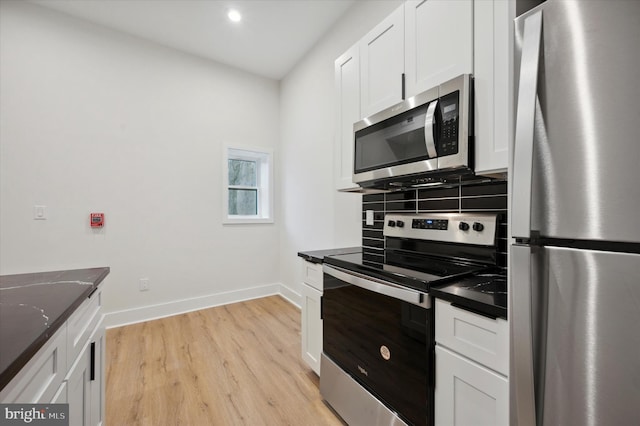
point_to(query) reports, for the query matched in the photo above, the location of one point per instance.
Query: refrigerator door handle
(525, 119)
(521, 375)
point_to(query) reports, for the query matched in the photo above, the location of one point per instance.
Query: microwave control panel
(448, 141)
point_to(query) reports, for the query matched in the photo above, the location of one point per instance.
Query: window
(248, 177)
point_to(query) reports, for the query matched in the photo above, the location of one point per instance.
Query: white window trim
(265, 184)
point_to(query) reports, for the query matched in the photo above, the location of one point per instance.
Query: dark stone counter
(485, 294)
(317, 256)
(33, 307)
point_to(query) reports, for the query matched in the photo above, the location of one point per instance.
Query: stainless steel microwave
(420, 139)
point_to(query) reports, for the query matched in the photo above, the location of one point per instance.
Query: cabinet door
(382, 64)
(439, 42)
(96, 375)
(467, 393)
(41, 377)
(311, 327)
(61, 395)
(78, 389)
(82, 323)
(347, 79)
(493, 69)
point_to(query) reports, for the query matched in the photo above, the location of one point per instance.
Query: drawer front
(81, 324)
(312, 274)
(40, 378)
(479, 338)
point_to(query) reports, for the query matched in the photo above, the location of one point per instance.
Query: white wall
(95, 120)
(92, 120)
(313, 214)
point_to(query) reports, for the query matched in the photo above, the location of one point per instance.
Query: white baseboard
(291, 296)
(148, 313)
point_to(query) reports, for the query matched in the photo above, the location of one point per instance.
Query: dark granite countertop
(317, 256)
(33, 307)
(485, 294)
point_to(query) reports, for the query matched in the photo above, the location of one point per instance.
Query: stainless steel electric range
(378, 324)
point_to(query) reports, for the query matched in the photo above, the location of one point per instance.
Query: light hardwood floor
(237, 364)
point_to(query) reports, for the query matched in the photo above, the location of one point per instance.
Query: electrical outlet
(144, 284)
(369, 217)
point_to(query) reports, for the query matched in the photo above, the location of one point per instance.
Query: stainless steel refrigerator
(575, 216)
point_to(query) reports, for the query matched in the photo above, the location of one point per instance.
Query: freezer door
(576, 159)
(583, 317)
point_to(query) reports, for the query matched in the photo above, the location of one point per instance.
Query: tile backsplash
(490, 197)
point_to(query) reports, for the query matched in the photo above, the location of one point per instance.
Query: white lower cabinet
(85, 390)
(41, 377)
(69, 368)
(311, 327)
(78, 391)
(468, 393)
(98, 383)
(472, 387)
(311, 314)
(61, 395)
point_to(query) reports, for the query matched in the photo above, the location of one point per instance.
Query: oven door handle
(379, 286)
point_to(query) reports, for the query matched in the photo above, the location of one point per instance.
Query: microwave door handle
(429, 127)
(525, 122)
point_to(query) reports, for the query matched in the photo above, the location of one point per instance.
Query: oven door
(381, 335)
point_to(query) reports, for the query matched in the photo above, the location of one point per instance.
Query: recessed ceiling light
(234, 15)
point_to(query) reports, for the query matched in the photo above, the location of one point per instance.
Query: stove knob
(392, 223)
(477, 226)
(463, 226)
(400, 223)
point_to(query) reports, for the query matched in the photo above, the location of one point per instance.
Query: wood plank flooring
(236, 364)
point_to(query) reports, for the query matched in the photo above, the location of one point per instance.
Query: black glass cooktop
(424, 271)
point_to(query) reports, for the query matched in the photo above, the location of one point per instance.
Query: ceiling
(271, 38)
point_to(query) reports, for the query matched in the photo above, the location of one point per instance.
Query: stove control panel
(442, 224)
(464, 228)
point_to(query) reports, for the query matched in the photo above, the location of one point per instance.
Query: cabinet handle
(321, 310)
(93, 361)
(92, 291)
(403, 79)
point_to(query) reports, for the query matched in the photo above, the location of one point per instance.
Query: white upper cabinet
(382, 64)
(347, 78)
(493, 70)
(438, 43)
(430, 42)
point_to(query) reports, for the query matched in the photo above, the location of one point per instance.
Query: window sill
(246, 220)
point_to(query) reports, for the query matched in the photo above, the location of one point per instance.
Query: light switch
(369, 217)
(39, 212)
